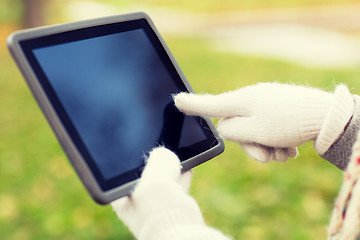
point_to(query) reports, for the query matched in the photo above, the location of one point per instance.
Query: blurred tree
(33, 13)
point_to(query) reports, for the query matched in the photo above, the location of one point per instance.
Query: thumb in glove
(160, 203)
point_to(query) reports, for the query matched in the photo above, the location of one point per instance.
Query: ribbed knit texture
(314, 107)
(340, 151)
(336, 119)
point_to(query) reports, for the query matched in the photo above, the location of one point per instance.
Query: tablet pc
(105, 86)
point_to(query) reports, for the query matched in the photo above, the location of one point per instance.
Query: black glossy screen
(113, 94)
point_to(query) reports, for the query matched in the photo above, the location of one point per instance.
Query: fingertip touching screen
(112, 90)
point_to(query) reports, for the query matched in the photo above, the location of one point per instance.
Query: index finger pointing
(222, 106)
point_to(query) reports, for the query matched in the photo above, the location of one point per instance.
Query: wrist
(171, 223)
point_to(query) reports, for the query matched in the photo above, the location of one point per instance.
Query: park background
(220, 46)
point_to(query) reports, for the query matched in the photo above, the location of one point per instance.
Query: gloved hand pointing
(270, 120)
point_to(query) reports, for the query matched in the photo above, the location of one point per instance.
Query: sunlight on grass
(42, 198)
(241, 197)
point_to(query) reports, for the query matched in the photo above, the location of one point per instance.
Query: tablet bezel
(79, 163)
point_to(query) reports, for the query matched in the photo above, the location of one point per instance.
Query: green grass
(42, 198)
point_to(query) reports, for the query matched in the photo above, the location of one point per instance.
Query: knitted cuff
(313, 109)
(178, 224)
(336, 119)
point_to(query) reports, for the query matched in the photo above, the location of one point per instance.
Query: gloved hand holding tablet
(106, 86)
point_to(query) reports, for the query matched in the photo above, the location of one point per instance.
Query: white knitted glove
(160, 208)
(270, 119)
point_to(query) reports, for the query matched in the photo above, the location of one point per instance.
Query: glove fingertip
(259, 153)
(183, 102)
(281, 154)
(161, 164)
(292, 152)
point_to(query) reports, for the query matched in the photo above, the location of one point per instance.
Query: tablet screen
(111, 87)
